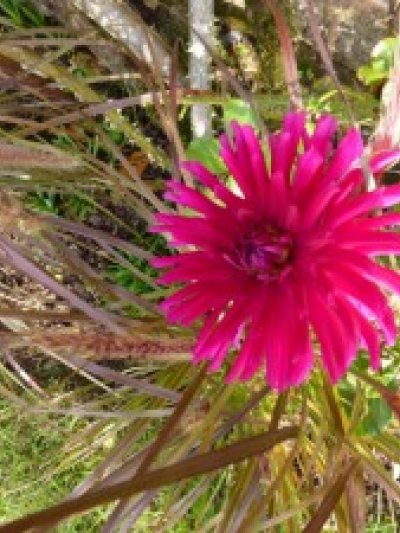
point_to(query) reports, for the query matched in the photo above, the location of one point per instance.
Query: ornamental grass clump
(287, 259)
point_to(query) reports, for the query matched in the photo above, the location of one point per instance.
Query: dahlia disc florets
(289, 260)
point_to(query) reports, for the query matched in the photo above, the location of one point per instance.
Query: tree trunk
(201, 15)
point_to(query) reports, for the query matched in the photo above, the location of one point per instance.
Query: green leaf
(382, 58)
(240, 111)
(206, 150)
(371, 74)
(386, 48)
(377, 418)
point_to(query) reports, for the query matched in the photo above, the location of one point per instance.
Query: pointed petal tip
(380, 161)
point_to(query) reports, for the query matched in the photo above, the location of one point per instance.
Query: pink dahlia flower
(287, 259)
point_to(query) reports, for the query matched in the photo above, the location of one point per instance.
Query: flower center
(264, 253)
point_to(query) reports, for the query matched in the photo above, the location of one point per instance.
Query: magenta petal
(302, 358)
(383, 160)
(214, 344)
(246, 353)
(337, 347)
(367, 268)
(294, 124)
(179, 297)
(370, 338)
(286, 340)
(166, 261)
(252, 354)
(374, 243)
(180, 193)
(283, 150)
(208, 272)
(315, 205)
(368, 298)
(348, 152)
(379, 221)
(350, 326)
(258, 166)
(213, 183)
(197, 231)
(363, 204)
(238, 161)
(322, 136)
(278, 340)
(308, 165)
(210, 322)
(201, 173)
(193, 308)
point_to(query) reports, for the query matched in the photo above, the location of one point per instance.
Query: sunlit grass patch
(32, 447)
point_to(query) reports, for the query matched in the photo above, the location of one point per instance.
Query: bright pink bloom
(289, 259)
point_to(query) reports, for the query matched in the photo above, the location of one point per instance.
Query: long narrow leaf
(197, 465)
(331, 498)
(28, 267)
